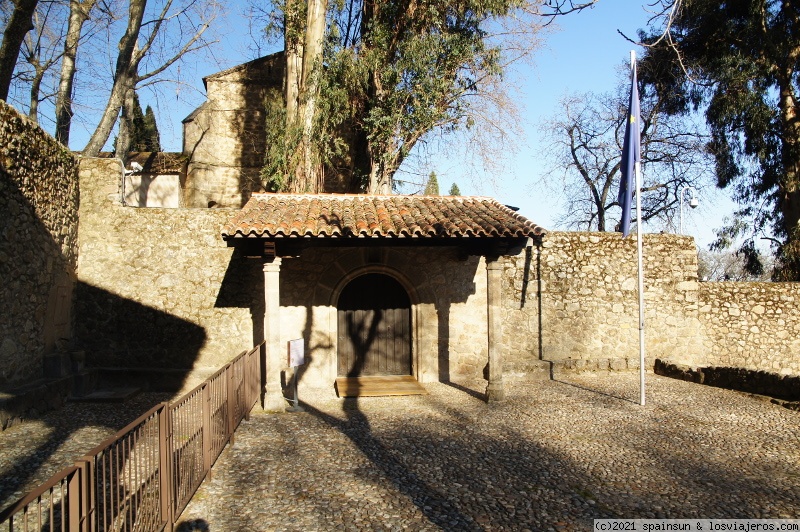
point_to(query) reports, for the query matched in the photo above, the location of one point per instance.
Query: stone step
(110, 395)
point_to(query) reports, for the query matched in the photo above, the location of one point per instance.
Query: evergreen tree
(432, 188)
(739, 59)
(144, 130)
(454, 190)
(394, 71)
(152, 138)
(138, 133)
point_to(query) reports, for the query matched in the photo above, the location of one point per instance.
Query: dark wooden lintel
(293, 247)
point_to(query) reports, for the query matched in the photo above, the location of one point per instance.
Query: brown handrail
(143, 477)
(36, 494)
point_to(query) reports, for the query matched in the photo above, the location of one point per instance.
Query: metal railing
(142, 478)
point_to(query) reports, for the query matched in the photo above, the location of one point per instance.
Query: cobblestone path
(554, 456)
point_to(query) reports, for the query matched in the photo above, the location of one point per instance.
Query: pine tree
(138, 135)
(738, 60)
(454, 190)
(152, 138)
(144, 130)
(432, 188)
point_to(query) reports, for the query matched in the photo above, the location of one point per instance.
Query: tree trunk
(303, 38)
(36, 85)
(293, 50)
(311, 175)
(18, 26)
(124, 77)
(789, 186)
(78, 14)
(125, 125)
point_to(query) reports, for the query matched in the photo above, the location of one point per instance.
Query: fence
(144, 476)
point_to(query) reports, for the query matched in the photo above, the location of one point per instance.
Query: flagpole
(639, 236)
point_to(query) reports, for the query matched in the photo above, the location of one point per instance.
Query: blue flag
(631, 154)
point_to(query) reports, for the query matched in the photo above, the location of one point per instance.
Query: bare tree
(730, 266)
(79, 11)
(41, 50)
(19, 24)
(586, 144)
(132, 55)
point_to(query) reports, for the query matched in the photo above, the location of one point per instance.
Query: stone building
(223, 139)
(372, 283)
(476, 291)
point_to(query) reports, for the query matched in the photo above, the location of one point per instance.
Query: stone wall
(155, 284)
(38, 245)
(573, 302)
(754, 326)
(159, 288)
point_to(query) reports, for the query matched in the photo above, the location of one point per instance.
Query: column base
(274, 401)
(495, 392)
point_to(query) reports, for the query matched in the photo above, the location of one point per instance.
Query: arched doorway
(374, 327)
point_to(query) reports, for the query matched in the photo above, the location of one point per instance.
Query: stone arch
(393, 263)
(374, 332)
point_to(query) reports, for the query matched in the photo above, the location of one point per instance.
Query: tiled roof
(153, 162)
(365, 216)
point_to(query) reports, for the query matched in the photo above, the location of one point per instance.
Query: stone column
(494, 390)
(273, 393)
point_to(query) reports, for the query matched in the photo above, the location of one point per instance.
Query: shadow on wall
(225, 136)
(135, 345)
(435, 280)
(243, 287)
(134, 339)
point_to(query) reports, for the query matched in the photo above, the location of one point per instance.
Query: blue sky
(583, 55)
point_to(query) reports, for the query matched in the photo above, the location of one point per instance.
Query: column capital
(493, 263)
(273, 265)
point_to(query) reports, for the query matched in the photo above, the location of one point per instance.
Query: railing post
(76, 484)
(207, 436)
(231, 394)
(87, 464)
(167, 490)
(248, 384)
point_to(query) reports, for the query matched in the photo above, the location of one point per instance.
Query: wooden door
(374, 324)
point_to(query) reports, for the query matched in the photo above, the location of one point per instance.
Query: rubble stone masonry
(569, 304)
(38, 245)
(159, 289)
(753, 326)
(152, 282)
(573, 302)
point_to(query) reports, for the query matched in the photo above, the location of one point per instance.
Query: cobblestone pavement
(34, 451)
(554, 456)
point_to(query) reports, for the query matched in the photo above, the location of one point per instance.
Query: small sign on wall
(296, 353)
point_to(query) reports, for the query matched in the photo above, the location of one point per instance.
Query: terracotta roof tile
(154, 162)
(365, 216)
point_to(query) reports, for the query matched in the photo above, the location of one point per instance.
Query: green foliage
(393, 71)
(138, 134)
(278, 158)
(454, 191)
(740, 60)
(152, 138)
(432, 187)
(419, 68)
(144, 134)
